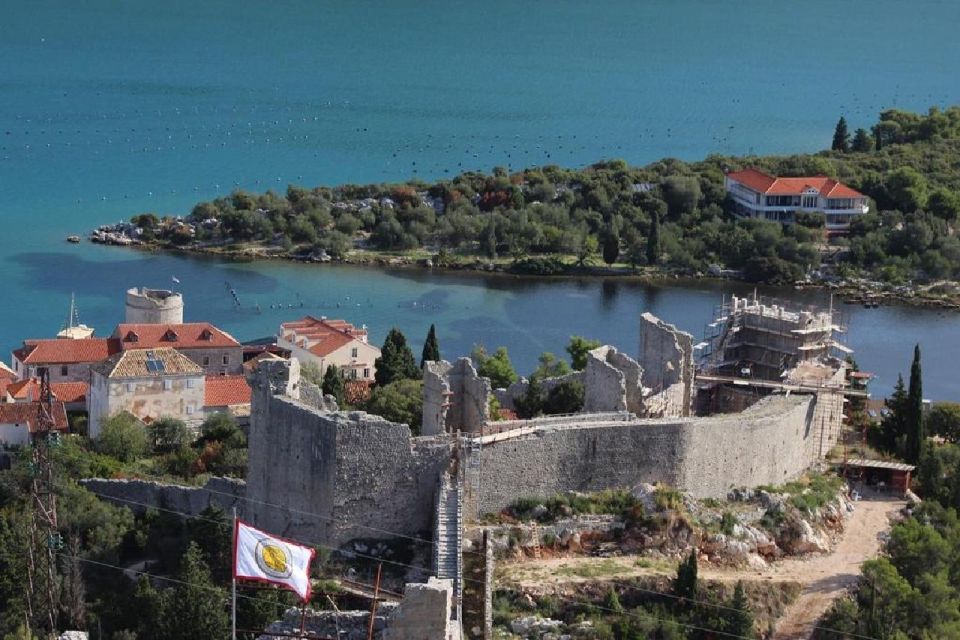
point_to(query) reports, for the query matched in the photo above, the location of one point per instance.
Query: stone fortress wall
(769, 443)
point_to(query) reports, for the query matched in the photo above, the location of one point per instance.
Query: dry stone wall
(225, 493)
(767, 444)
(328, 477)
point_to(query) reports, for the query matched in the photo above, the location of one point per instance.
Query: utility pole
(45, 539)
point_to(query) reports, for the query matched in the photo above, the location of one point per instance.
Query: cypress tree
(611, 244)
(862, 141)
(892, 426)
(913, 419)
(333, 382)
(653, 240)
(195, 608)
(739, 618)
(685, 584)
(396, 360)
(431, 348)
(841, 136)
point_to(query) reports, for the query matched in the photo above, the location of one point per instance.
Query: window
(129, 387)
(366, 373)
(809, 202)
(63, 370)
(206, 361)
(167, 385)
(226, 359)
(353, 352)
(353, 374)
(190, 383)
(189, 409)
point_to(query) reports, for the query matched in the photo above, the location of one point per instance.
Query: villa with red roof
(215, 350)
(758, 195)
(325, 342)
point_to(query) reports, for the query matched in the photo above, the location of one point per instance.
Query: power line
(411, 566)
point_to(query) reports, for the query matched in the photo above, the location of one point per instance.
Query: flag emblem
(274, 559)
(267, 558)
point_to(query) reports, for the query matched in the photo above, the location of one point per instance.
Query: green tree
(310, 371)
(529, 404)
(196, 607)
(944, 421)
(653, 240)
(168, 434)
(862, 142)
(123, 437)
(578, 349)
(566, 397)
(611, 244)
(333, 382)
(431, 347)
(841, 137)
(212, 533)
(490, 238)
(681, 193)
(685, 584)
(907, 189)
(739, 618)
(221, 427)
(893, 426)
(914, 410)
(399, 401)
(496, 367)
(396, 360)
(549, 366)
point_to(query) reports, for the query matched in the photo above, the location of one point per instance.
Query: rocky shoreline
(870, 294)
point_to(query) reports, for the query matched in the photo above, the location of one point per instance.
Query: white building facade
(149, 384)
(327, 342)
(758, 195)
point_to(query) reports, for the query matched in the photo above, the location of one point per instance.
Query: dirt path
(823, 577)
(827, 577)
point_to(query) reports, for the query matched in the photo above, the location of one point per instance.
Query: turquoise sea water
(109, 109)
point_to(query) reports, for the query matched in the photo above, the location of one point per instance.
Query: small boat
(73, 239)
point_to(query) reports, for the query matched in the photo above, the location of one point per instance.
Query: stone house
(19, 419)
(215, 350)
(149, 384)
(66, 360)
(325, 342)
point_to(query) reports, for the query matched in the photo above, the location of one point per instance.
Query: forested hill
(670, 214)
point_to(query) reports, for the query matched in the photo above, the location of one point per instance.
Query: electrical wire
(647, 617)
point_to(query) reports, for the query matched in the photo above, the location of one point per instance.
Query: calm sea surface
(109, 109)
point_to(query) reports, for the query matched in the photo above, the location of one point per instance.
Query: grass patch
(606, 567)
(617, 502)
(811, 492)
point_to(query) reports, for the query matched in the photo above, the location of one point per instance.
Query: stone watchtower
(153, 306)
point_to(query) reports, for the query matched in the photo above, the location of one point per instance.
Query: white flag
(260, 556)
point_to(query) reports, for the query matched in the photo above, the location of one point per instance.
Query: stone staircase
(448, 537)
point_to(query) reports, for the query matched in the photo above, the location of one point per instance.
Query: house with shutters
(213, 349)
(756, 194)
(149, 384)
(324, 342)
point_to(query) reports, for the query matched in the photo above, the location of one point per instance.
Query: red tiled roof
(769, 185)
(24, 390)
(28, 412)
(195, 335)
(226, 391)
(66, 351)
(329, 334)
(70, 392)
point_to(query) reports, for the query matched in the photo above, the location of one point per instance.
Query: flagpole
(233, 608)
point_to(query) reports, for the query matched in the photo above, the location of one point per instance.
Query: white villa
(325, 342)
(759, 195)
